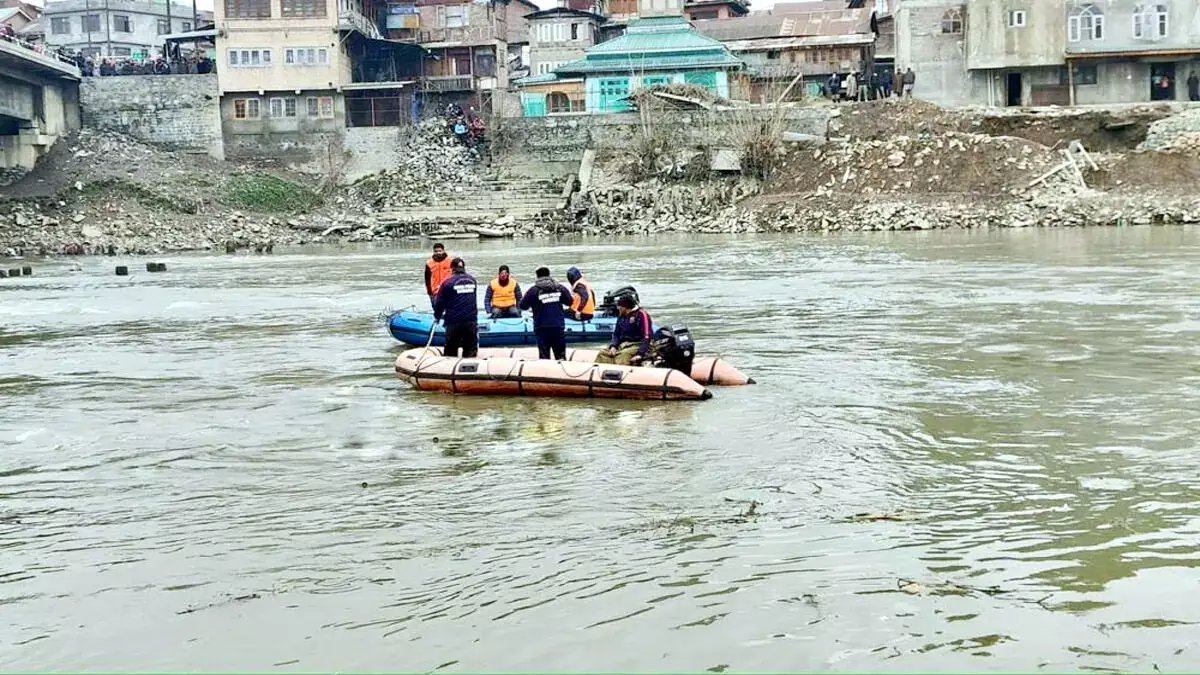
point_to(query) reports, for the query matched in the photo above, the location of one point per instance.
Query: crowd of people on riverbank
(107, 67)
(453, 294)
(868, 86)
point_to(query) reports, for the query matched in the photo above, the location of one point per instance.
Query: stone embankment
(884, 166)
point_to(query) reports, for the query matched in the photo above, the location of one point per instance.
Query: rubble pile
(1177, 133)
(433, 168)
(949, 163)
(654, 206)
(104, 193)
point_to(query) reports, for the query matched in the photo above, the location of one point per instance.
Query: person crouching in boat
(549, 301)
(502, 295)
(631, 336)
(437, 270)
(456, 301)
(583, 305)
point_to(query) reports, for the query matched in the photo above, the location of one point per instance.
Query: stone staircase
(493, 200)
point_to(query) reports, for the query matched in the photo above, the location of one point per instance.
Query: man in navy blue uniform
(457, 301)
(549, 301)
(631, 336)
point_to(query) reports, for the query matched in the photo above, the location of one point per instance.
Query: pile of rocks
(433, 167)
(654, 206)
(34, 228)
(1177, 133)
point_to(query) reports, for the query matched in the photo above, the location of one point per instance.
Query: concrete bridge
(39, 102)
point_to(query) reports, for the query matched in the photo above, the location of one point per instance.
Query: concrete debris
(1178, 133)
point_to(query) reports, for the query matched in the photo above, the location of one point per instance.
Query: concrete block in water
(27, 271)
(122, 271)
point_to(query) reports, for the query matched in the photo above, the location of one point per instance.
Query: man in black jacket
(457, 301)
(549, 301)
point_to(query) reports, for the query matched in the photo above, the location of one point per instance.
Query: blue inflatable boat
(411, 327)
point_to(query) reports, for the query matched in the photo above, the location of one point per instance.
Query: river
(965, 451)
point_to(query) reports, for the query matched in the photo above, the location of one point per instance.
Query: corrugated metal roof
(637, 63)
(807, 24)
(768, 44)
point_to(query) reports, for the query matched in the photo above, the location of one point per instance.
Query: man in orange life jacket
(502, 295)
(583, 305)
(455, 301)
(437, 270)
(549, 300)
(631, 336)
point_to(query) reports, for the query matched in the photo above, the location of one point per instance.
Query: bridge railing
(39, 49)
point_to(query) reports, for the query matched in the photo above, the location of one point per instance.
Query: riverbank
(896, 165)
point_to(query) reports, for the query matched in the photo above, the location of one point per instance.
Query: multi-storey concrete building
(1131, 50)
(115, 28)
(1017, 52)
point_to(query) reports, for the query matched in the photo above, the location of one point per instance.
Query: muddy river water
(965, 450)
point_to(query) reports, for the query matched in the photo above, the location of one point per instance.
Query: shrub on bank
(265, 192)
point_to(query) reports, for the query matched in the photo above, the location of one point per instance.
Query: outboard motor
(609, 306)
(674, 348)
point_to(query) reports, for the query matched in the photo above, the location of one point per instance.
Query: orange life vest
(504, 297)
(577, 305)
(438, 272)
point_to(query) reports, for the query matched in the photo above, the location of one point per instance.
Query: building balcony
(448, 83)
(351, 20)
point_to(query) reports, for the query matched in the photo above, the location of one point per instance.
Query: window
(91, 23)
(453, 16)
(574, 31)
(1085, 23)
(185, 26)
(247, 9)
(1150, 22)
(122, 24)
(306, 56)
(121, 51)
(1086, 75)
(560, 32)
(164, 26)
(773, 55)
(245, 108)
(952, 22)
(250, 58)
(60, 25)
(283, 107)
(1016, 18)
(320, 106)
(304, 7)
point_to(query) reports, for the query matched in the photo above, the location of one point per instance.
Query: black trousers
(506, 313)
(462, 336)
(552, 339)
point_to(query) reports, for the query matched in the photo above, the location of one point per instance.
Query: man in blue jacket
(631, 335)
(457, 301)
(549, 301)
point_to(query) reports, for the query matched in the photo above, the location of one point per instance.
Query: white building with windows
(1048, 52)
(560, 35)
(1131, 50)
(115, 28)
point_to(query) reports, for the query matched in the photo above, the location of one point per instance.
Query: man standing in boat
(437, 270)
(631, 336)
(549, 301)
(502, 295)
(457, 301)
(583, 304)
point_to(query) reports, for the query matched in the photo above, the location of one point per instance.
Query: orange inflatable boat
(430, 371)
(707, 370)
